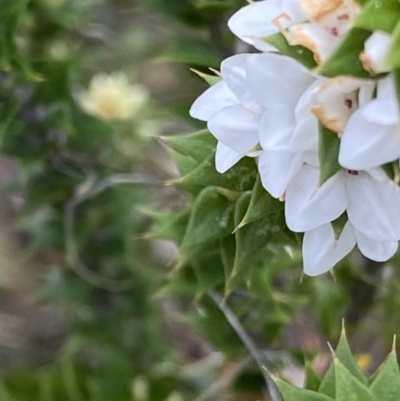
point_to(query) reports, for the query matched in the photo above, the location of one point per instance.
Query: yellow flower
(364, 361)
(112, 97)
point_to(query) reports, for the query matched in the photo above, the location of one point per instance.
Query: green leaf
(169, 225)
(228, 250)
(292, 393)
(184, 164)
(386, 385)
(241, 177)
(348, 387)
(329, 144)
(299, 53)
(211, 218)
(182, 282)
(343, 353)
(379, 15)
(345, 60)
(254, 238)
(197, 145)
(210, 79)
(312, 380)
(261, 204)
(209, 269)
(327, 386)
(393, 58)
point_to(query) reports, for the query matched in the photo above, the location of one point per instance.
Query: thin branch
(248, 343)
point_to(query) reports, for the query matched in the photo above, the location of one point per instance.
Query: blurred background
(88, 310)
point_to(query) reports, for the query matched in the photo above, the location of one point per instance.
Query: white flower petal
(277, 128)
(212, 100)
(336, 101)
(308, 206)
(385, 108)
(321, 251)
(234, 74)
(277, 81)
(313, 37)
(380, 251)
(366, 93)
(258, 20)
(305, 135)
(308, 99)
(236, 127)
(225, 158)
(365, 145)
(293, 9)
(374, 206)
(277, 169)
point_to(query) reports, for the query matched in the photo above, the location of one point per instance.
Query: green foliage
(393, 57)
(344, 380)
(329, 143)
(299, 53)
(345, 60)
(379, 16)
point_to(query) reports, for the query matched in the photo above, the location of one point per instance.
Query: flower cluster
(270, 106)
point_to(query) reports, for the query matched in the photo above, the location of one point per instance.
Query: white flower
(376, 50)
(264, 18)
(232, 113)
(285, 151)
(279, 83)
(318, 25)
(322, 250)
(370, 198)
(255, 101)
(113, 97)
(372, 135)
(336, 99)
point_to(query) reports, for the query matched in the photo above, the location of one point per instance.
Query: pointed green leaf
(386, 385)
(184, 163)
(312, 380)
(345, 60)
(327, 386)
(292, 393)
(378, 15)
(393, 58)
(182, 282)
(208, 269)
(240, 177)
(261, 204)
(348, 387)
(299, 53)
(211, 218)
(197, 145)
(228, 250)
(253, 238)
(329, 144)
(210, 79)
(169, 225)
(343, 353)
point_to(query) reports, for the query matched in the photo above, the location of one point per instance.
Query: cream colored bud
(112, 97)
(140, 389)
(376, 49)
